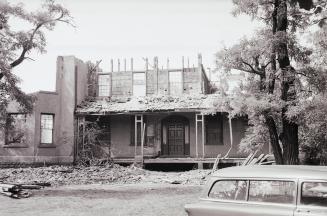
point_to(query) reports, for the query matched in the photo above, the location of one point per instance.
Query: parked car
(264, 190)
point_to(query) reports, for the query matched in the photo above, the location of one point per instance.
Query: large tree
(17, 45)
(276, 63)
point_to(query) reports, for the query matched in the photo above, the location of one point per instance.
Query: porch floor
(179, 160)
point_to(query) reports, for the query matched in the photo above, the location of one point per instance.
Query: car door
(225, 197)
(219, 208)
(312, 200)
(271, 198)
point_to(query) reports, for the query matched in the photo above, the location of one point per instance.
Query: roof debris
(108, 174)
(201, 102)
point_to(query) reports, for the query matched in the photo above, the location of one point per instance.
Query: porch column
(203, 135)
(196, 136)
(79, 139)
(199, 118)
(138, 122)
(230, 134)
(83, 132)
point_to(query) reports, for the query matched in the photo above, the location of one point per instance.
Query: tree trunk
(271, 81)
(289, 136)
(270, 122)
(274, 139)
(290, 142)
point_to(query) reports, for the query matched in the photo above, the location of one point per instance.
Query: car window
(272, 191)
(314, 193)
(229, 190)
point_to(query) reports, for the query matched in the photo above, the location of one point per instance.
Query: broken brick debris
(201, 102)
(108, 174)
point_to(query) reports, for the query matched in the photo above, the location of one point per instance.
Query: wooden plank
(142, 141)
(215, 165)
(250, 158)
(247, 159)
(259, 158)
(253, 161)
(263, 159)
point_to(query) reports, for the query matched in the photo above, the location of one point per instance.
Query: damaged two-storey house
(155, 115)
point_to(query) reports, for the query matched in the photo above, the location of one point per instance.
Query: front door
(176, 143)
(175, 136)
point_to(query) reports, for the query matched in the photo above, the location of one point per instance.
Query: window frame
(109, 85)
(299, 192)
(145, 84)
(13, 145)
(229, 200)
(220, 119)
(53, 130)
(293, 203)
(246, 201)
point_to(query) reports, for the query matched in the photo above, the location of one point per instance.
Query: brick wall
(122, 84)
(194, 82)
(151, 82)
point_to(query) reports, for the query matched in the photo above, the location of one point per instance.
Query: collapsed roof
(209, 103)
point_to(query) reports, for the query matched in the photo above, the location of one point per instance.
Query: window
(139, 84)
(104, 84)
(175, 83)
(314, 193)
(214, 129)
(47, 128)
(16, 127)
(229, 190)
(272, 191)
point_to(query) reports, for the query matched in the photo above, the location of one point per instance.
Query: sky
(112, 29)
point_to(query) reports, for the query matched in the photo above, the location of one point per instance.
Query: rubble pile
(110, 174)
(152, 103)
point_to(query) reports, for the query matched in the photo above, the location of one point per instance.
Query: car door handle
(306, 211)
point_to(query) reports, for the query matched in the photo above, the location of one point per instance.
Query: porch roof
(197, 103)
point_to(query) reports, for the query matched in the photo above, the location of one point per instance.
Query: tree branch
(252, 69)
(266, 65)
(28, 46)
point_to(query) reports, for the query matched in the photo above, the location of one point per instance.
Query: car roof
(274, 171)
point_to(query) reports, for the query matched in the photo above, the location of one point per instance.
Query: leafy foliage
(16, 45)
(279, 98)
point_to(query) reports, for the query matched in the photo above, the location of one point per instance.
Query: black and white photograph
(163, 107)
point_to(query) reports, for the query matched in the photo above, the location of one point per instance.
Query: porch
(167, 130)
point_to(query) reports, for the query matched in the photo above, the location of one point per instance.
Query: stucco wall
(121, 136)
(60, 103)
(20, 152)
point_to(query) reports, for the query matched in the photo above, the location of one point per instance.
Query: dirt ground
(146, 199)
